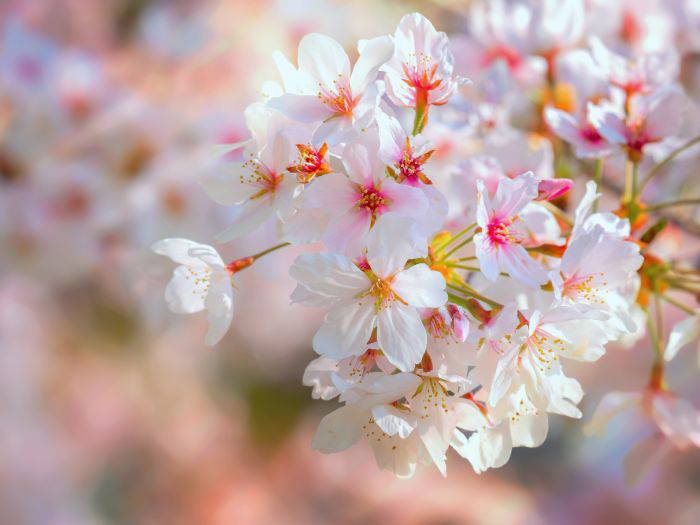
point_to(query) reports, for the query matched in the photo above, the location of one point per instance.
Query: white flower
(258, 185)
(324, 90)
(499, 244)
(594, 270)
(650, 119)
(346, 209)
(371, 411)
(534, 360)
(201, 282)
(516, 422)
(383, 295)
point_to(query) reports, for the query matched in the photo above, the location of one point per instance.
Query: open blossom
(257, 185)
(534, 360)
(595, 269)
(348, 207)
(420, 74)
(650, 119)
(371, 412)
(325, 90)
(499, 245)
(408, 419)
(381, 293)
(200, 282)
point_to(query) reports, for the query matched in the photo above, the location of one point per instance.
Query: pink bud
(550, 189)
(460, 323)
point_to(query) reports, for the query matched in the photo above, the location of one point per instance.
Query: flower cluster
(456, 287)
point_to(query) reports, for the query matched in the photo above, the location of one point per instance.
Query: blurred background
(112, 411)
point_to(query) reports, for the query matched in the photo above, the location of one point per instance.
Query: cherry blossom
(201, 282)
(499, 244)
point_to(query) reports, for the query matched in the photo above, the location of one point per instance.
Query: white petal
(222, 182)
(530, 430)
(302, 108)
(393, 421)
(374, 54)
(682, 333)
(392, 138)
(219, 303)
(318, 376)
(346, 329)
(420, 286)
(178, 250)
(401, 335)
(329, 275)
(187, 290)
(339, 430)
(323, 58)
(249, 217)
(394, 240)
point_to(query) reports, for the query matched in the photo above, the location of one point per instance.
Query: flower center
(419, 73)
(590, 134)
(499, 233)
(372, 200)
(311, 163)
(503, 52)
(383, 294)
(544, 347)
(339, 99)
(584, 288)
(262, 177)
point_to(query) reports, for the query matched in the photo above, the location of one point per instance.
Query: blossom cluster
(456, 287)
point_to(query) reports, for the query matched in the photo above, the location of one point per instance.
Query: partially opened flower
(200, 282)
(595, 270)
(374, 410)
(420, 74)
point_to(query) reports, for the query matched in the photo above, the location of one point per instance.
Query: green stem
(468, 290)
(454, 237)
(632, 202)
(460, 245)
(420, 118)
